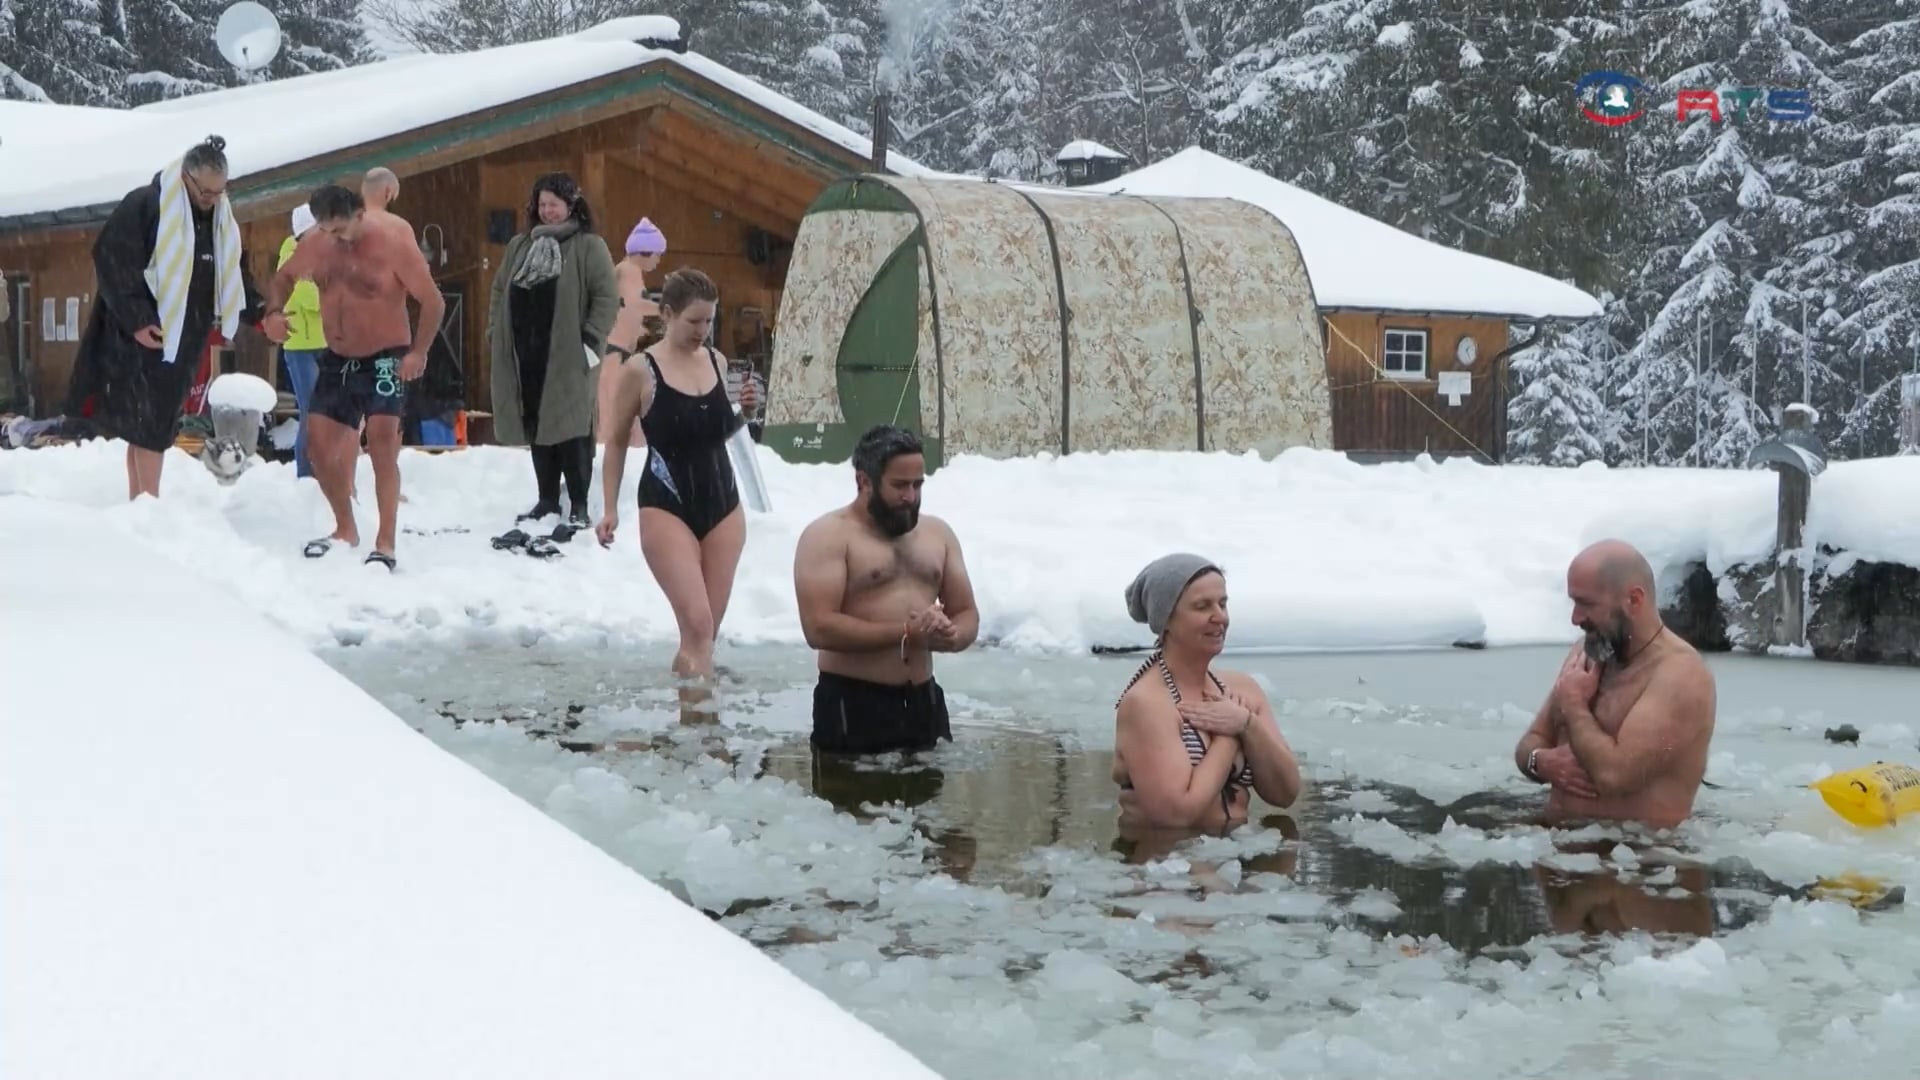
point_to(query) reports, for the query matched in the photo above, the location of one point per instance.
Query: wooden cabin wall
(705, 234)
(61, 271)
(1373, 412)
(439, 207)
(624, 182)
(709, 192)
(443, 206)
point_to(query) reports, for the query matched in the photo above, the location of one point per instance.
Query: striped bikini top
(1190, 736)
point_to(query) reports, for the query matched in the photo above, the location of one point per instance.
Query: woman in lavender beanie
(645, 244)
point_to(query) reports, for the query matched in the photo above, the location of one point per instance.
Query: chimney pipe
(881, 126)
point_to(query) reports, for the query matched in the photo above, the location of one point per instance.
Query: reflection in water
(992, 803)
(978, 904)
(993, 799)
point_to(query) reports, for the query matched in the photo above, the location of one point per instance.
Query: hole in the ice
(988, 874)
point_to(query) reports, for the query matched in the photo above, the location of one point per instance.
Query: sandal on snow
(544, 548)
(380, 557)
(317, 548)
(564, 532)
(509, 540)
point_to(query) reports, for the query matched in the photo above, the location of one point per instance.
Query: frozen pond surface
(1407, 919)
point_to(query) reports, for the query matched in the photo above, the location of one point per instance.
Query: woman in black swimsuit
(1192, 744)
(692, 527)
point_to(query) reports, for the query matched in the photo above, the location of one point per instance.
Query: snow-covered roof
(1088, 150)
(1356, 261)
(55, 158)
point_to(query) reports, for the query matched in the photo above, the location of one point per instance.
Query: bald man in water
(1624, 733)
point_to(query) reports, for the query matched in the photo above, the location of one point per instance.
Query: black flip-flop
(544, 548)
(509, 540)
(317, 548)
(382, 558)
(563, 532)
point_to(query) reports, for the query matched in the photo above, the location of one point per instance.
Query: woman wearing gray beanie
(1191, 746)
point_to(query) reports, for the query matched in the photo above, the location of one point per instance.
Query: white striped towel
(170, 270)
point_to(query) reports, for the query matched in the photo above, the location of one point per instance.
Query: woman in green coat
(554, 300)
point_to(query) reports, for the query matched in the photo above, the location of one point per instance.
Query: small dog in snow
(226, 459)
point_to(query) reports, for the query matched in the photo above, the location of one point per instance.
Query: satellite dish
(248, 36)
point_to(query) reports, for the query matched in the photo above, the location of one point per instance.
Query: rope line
(1383, 377)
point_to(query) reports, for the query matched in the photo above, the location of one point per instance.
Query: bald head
(1612, 588)
(379, 187)
(1617, 566)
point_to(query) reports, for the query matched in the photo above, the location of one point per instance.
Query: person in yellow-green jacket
(305, 338)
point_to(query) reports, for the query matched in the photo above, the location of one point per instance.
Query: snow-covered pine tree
(1871, 428)
(1717, 226)
(1880, 329)
(1798, 218)
(1579, 171)
(468, 25)
(1138, 72)
(318, 35)
(1452, 125)
(172, 49)
(839, 49)
(1556, 417)
(60, 51)
(1013, 124)
(1290, 104)
(969, 82)
(821, 55)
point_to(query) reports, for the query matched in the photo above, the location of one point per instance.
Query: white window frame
(1387, 337)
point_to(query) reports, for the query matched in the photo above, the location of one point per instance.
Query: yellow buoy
(1875, 795)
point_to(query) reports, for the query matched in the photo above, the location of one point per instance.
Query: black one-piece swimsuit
(688, 472)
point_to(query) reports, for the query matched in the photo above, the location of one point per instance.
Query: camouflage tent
(1007, 320)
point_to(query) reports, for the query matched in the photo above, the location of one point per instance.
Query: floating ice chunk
(1374, 904)
(1087, 979)
(1367, 801)
(1701, 968)
(1584, 862)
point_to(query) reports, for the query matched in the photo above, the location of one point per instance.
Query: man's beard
(1608, 643)
(891, 520)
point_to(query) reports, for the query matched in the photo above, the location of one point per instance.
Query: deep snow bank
(1320, 552)
(220, 858)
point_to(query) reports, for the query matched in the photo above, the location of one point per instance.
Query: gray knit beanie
(1155, 591)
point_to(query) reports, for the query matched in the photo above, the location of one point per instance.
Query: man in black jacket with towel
(169, 272)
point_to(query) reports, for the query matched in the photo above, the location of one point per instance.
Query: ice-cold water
(1408, 918)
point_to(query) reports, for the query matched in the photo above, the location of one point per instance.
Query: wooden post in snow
(1910, 413)
(1798, 456)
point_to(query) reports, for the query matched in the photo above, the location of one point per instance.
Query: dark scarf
(541, 262)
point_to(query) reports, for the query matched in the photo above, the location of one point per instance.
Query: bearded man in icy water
(881, 588)
(1624, 733)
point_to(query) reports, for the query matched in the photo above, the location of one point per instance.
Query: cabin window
(1405, 354)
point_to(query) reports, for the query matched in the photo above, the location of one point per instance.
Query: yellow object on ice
(1859, 890)
(1876, 795)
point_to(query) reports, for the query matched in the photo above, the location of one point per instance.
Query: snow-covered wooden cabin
(725, 167)
(1417, 334)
